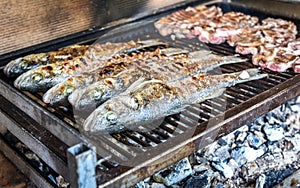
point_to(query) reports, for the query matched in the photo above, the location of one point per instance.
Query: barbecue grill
(123, 159)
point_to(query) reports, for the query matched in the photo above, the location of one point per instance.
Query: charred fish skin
(200, 62)
(20, 65)
(155, 99)
(52, 74)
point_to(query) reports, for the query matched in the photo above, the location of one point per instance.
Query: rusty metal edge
(23, 166)
(181, 146)
(39, 114)
(54, 161)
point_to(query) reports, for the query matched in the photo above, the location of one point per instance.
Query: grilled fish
(167, 67)
(155, 99)
(18, 66)
(59, 93)
(44, 77)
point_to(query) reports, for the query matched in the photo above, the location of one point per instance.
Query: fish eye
(36, 77)
(134, 103)
(111, 117)
(96, 94)
(69, 89)
(23, 65)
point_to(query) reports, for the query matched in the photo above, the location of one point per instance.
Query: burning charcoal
(295, 108)
(255, 141)
(260, 121)
(255, 127)
(289, 157)
(275, 177)
(240, 137)
(246, 154)
(296, 142)
(174, 174)
(273, 119)
(226, 169)
(197, 181)
(157, 185)
(222, 153)
(142, 184)
(201, 168)
(251, 169)
(222, 142)
(260, 182)
(274, 133)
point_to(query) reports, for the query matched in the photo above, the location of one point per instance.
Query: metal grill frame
(44, 132)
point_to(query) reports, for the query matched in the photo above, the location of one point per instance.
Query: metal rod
(82, 162)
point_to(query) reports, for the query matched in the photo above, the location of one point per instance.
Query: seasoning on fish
(18, 66)
(167, 67)
(44, 77)
(155, 99)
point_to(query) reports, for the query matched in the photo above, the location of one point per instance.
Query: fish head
(112, 116)
(90, 97)
(39, 79)
(18, 66)
(58, 94)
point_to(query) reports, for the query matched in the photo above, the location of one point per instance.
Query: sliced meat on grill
(182, 22)
(276, 59)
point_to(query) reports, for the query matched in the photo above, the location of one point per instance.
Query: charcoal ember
(274, 147)
(274, 118)
(261, 181)
(251, 170)
(246, 154)
(273, 133)
(240, 137)
(227, 169)
(157, 185)
(222, 153)
(293, 123)
(289, 157)
(274, 177)
(175, 173)
(255, 127)
(295, 140)
(259, 121)
(255, 141)
(295, 108)
(197, 181)
(201, 168)
(222, 142)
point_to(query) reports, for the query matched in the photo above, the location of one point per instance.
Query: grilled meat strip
(155, 99)
(44, 77)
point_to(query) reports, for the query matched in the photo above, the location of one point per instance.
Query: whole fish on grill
(44, 77)
(20, 65)
(58, 94)
(155, 99)
(168, 68)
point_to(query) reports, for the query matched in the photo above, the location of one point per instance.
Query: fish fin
(173, 51)
(138, 84)
(133, 85)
